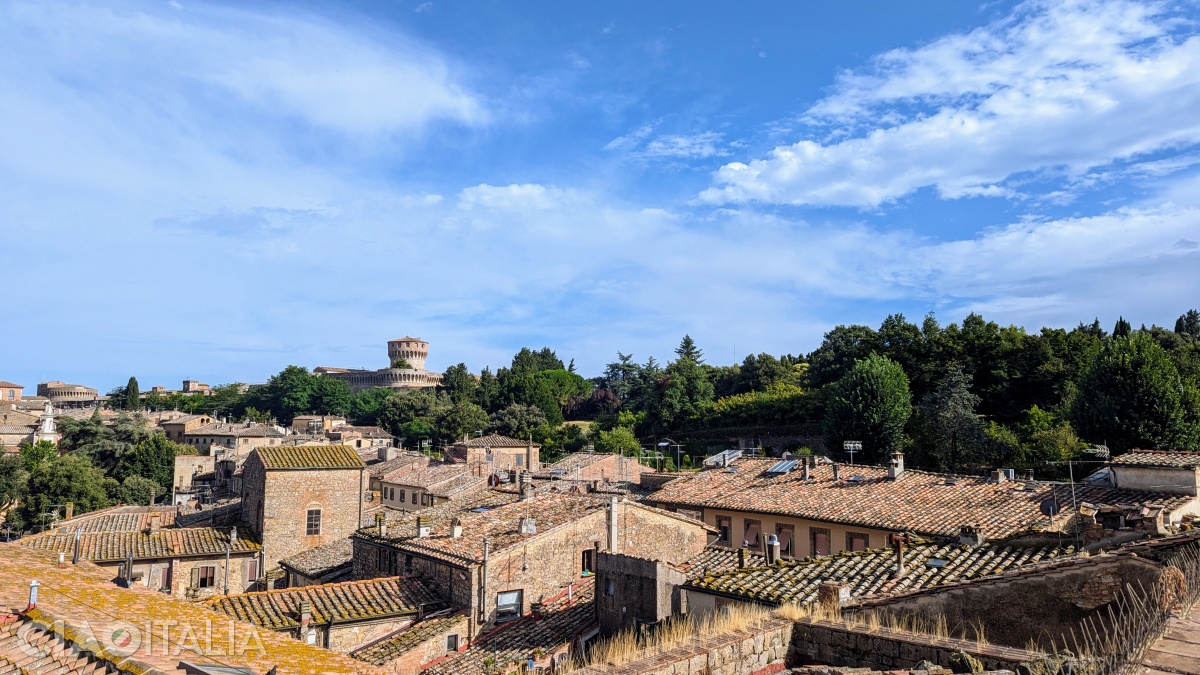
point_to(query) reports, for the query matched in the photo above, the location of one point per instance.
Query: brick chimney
(305, 617)
(831, 595)
(804, 463)
(69, 510)
(899, 540)
(970, 535)
(896, 465)
(999, 475)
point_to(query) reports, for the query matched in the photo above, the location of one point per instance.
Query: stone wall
(761, 652)
(344, 638)
(276, 504)
(633, 590)
(1015, 610)
(431, 649)
(650, 533)
(883, 649)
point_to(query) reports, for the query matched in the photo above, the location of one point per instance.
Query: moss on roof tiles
(310, 457)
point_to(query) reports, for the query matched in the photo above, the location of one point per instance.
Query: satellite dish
(1050, 507)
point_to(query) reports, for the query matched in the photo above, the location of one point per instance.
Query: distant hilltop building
(406, 357)
(64, 395)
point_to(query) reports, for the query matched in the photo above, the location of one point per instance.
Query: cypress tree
(133, 397)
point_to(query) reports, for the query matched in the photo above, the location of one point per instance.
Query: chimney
(530, 461)
(837, 471)
(831, 595)
(528, 525)
(970, 535)
(612, 525)
(455, 528)
(33, 586)
(772, 550)
(804, 463)
(743, 558)
(155, 522)
(999, 476)
(387, 454)
(899, 540)
(69, 509)
(305, 617)
(62, 559)
(381, 523)
(78, 534)
(896, 465)
(423, 526)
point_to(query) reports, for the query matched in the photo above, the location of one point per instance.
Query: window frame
(812, 540)
(452, 642)
(308, 522)
(746, 525)
(204, 576)
(725, 529)
(790, 550)
(512, 610)
(587, 562)
(852, 537)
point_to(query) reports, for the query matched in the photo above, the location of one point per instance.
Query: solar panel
(724, 457)
(783, 467)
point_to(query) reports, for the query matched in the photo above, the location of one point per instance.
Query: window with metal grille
(312, 524)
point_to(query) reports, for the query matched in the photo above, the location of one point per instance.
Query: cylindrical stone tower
(411, 349)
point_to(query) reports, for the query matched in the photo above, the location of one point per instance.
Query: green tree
(1188, 323)
(487, 394)
(72, 478)
(1131, 396)
(459, 420)
(871, 403)
(401, 363)
(33, 454)
(528, 361)
(687, 349)
(287, 394)
(953, 431)
(458, 383)
(367, 405)
(153, 459)
(330, 397)
(517, 420)
(619, 441)
(841, 348)
(14, 486)
(133, 395)
(1122, 329)
(138, 490)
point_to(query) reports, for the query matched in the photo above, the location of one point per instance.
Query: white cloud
(1061, 87)
(696, 146)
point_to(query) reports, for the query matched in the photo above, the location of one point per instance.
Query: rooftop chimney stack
(804, 463)
(899, 540)
(305, 617)
(743, 558)
(971, 535)
(831, 595)
(155, 522)
(424, 525)
(456, 528)
(69, 510)
(528, 525)
(381, 523)
(62, 559)
(772, 550)
(896, 465)
(999, 475)
(837, 472)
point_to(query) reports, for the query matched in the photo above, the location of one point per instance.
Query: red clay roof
(1159, 458)
(340, 603)
(309, 457)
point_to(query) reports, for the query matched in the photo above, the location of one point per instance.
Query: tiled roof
(714, 561)
(443, 480)
(180, 419)
(27, 646)
(7, 385)
(501, 523)
(238, 430)
(343, 602)
(1168, 458)
(24, 429)
(918, 501)
(562, 621)
(578, 460)
(321, 560)
(85, 599)
(117, 546)
(382, 652)
(495, 441)
(310, 457)
(119, 519)
(870, 572)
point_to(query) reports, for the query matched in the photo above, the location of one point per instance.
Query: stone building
(1172, 472)
(64, 395)
(184, 562)
(340, 617)
(824, 509)
(633, 591)
(413, 489)
(492, 453)
(236, 439)
(410, 349)
(501, 562)
(9, 392)
(177, 426)
(298, 498)
(595, 466)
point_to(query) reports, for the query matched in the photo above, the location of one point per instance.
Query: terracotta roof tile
(119, 519)
(561, 621)
(310, 457)
(870, 572)
(339, 603)
(117, 546)
(1164, 458)
(918, 501)
(496, 441)
(321, 560)
(238, 430)
(392, 646)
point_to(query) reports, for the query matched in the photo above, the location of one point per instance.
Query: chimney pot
(804, 463)
(62, 559)
(772, 549)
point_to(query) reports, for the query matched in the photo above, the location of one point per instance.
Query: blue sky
(217, 190)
